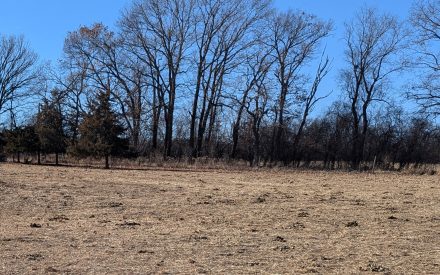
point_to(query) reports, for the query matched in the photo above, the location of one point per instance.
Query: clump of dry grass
(156, 161)
(426, 169)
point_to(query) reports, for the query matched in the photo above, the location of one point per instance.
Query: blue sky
(45, 23)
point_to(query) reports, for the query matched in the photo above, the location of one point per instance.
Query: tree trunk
(280, 126)
(235, 132)
(192, 134)
(355, 136)
(274, 131)
(156, 114)
(170, 117)
(298, 137)
(168, 133)
(107, 165)
(56, 159)
(212, 123)
(236, 127)
(256, 149)
(202, 123)
(200, 135)
(155, 131)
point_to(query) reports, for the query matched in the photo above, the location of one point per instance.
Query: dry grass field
(76, 220)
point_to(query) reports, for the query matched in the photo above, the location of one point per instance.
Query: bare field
(74, 220)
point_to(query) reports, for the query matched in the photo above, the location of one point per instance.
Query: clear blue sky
(45, 23)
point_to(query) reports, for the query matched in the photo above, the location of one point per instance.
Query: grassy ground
(72, 220)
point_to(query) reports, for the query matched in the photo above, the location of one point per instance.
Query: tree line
(185, 79)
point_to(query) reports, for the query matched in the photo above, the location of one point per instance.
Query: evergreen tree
(49, 128)
(30, 141)
(12, 146)
(100, 132)
(21, 140)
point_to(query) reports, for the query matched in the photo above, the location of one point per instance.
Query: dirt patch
(352, 224)
(72, 220)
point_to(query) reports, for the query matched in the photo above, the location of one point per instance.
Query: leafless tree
(17, 70)
(425, 17)
(257, 68)
(223, 31)
(256, 105)
(295, 37)
(159, 34)
(71, 78)
(309, 99)
(373, 44)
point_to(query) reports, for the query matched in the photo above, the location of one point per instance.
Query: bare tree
(258, 66)
(223, 31)
(425, 17)
(159, 33)
(72, 82)
(309, 99)
(256, 106)
(373, 43)
(17, 69)
(295, 37)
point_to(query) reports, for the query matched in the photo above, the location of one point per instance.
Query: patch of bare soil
(72, 220)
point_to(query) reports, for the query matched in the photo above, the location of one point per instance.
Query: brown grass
(74, 220)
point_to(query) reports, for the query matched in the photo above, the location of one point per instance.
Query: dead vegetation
(76, 220)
